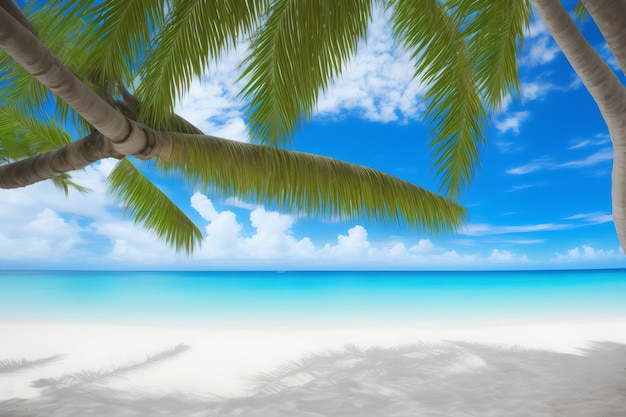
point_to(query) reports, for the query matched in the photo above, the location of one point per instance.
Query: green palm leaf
(299, 182)
(23, 135)
(300, 49)
(581, 11)
(64, 182)
(117, 39)
(455, 111)
(151, 208)
(494, 32)
(196, 32)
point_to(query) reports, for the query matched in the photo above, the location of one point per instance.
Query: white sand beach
(573, 368)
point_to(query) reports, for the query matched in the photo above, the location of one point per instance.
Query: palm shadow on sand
(10, 365)
(447, 379)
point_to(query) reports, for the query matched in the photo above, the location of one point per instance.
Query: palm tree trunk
(75, 155)
(603, 85)
(127, 137)
(610, 17)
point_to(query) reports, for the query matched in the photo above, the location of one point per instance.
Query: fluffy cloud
(587, 253)
(512, 122)
(272, 243)
(376, 85)
(539, 49)
(213, 105)
(46, 229)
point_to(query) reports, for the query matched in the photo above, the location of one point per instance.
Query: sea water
(236, 298)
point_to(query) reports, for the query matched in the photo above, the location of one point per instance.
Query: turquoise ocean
(258, 298)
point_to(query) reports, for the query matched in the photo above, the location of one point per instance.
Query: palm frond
(581, 11)
(303, 45)
(195, 33)
(23, 135)
(298, 182)
(494, 35)
(64, 182)
(151, 208)
(117, 39)
(21, 91)
(455, 112)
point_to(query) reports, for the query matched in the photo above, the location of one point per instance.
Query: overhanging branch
(127, 137)
(48, 165)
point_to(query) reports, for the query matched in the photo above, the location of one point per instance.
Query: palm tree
(122, 64)
(602, 83)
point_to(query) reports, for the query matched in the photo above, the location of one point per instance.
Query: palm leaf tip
(151, 208)
(299, 182)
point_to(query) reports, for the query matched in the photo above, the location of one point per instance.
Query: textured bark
(75, 155)
(604, 86)
(127, 137)
(117, 135)
(610, 17)
(13, 9)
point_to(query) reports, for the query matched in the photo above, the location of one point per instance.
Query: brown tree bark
(610, 17)
(127, 137)
(601, 82)
(75, 155)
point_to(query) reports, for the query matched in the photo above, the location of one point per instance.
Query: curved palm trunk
(126, 137)
(73, 156)
(601, 82)
(610, 17)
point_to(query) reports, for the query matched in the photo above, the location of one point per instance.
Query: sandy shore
(575, 368)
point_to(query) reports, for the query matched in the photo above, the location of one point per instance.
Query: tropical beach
(312, 208)
(77, 354)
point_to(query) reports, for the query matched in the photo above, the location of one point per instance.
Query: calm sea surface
(309, 297)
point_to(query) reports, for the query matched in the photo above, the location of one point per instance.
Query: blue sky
(541, 199)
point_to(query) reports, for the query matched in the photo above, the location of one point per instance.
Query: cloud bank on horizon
(41, 227)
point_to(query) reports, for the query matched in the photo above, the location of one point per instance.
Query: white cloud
(528, 168)
(587, 253)
(580, 144)
(535, 90)
(602, 155)
(539, 48)
(542, 51)
(594, 159)
(213, 104)
(488, 229)
(592, 218)
(503, 256)
(272, 243)
(269, 242)
(520, 187)
(424, 245)
(377, 84)
(47, 236)
(536, 29)
(512, 122)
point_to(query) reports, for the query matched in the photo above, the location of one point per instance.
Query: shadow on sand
(446, 379)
